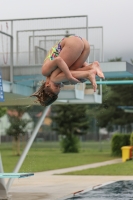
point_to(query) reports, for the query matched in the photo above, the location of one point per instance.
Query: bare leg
(87, 72)
(93, 69)
(72, 48)
(78, 75)
(83, 57)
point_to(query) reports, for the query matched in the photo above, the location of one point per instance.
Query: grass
(125, 168)
(48, 156)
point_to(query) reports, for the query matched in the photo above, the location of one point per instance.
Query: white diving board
(15, 175)
(117, 69)
(79, 94)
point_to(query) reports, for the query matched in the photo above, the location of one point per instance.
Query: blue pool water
(114, 191)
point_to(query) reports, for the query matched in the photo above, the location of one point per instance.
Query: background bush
(119, 140)
(131, 139)
(70, 144)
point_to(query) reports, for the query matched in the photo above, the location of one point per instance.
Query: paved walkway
(47, 186)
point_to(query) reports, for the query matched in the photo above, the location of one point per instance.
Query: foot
(96, 67)
(73, 80)
(92, 79)
(93, 71)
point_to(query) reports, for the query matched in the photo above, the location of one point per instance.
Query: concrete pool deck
(48, 186)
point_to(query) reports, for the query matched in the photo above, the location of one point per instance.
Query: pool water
(113, 191)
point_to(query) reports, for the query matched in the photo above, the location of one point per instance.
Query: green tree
(2, 111)
(131, 139)
(115, 59)
(109, 113)
(17, 127)
(109, 110)
(70, 121)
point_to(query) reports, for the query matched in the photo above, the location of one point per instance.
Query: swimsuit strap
(54, 50)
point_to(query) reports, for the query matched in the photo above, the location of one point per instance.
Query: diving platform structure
(15, 175)
(3, 187)
(22, 75)
(26, 80)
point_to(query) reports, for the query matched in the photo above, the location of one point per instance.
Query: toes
(98, 69)
(101, 75)
(96, 62)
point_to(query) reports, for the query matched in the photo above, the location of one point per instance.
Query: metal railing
(35, 26)
(11, 54)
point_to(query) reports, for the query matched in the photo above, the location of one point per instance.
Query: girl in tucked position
(66, 63)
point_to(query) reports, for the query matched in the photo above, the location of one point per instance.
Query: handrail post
(11, 57)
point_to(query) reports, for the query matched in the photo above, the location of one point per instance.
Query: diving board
(15, 175)
(79, 94)
(90, 97)
(117, 69)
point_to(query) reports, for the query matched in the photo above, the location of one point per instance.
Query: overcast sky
(116, 17)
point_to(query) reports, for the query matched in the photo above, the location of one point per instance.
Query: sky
(116, 17)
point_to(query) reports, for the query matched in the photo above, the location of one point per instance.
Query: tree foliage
(118, 141)
(2, 111)
(131, 139)
(17, 125)
(119, 59)
(109, 112)
(70, 121)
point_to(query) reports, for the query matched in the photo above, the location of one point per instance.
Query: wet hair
(45, 95)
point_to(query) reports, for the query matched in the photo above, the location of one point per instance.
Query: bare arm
(57, 76)
(86, 72)
(77, 74)
(51, 67)
(62, 78)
